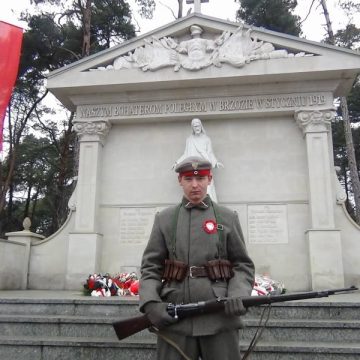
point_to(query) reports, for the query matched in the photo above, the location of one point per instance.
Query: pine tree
(273, 15)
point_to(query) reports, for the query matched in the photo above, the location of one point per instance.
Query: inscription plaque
(267, 224)
(135, 225)
(236, 104)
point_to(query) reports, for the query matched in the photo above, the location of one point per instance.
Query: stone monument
(266, 101)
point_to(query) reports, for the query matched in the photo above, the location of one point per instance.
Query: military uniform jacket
(195, 247)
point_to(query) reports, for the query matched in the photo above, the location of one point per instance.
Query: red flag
(10, 47)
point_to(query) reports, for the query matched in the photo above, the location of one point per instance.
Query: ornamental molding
(315, 120)
(234, 48)
(92, 130)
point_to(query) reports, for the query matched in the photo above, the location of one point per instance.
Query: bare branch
(175, 17)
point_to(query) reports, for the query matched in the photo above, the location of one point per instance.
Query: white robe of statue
(199, 144)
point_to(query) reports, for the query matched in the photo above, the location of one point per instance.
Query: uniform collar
(205, 204)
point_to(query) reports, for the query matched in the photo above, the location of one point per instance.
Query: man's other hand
(234, 306)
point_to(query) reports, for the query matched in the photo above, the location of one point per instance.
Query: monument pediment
(202, 49)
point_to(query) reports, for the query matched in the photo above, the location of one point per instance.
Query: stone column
(85, 241)
(323, 239)
(20, 259)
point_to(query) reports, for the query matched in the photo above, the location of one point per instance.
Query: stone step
(128, 306)
(63, 326)
(32, 348)
(79, 327)
(297, 350)
(76, 348)
(125, 306)
(305, 330)
(311, 310)
(275, 330)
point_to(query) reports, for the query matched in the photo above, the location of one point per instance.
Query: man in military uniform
(196, 252)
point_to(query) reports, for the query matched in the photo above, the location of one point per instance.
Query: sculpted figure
(198, 50)
(199, 144)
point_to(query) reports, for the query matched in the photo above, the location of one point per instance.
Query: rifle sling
(170, 342)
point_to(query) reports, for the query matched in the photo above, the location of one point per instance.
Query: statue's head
(195, 30)
(197, 127)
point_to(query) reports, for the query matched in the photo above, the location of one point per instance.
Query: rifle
(130, 326)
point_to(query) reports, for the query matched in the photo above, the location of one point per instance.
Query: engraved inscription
(228, 104)
(135, 225)
(267, 224)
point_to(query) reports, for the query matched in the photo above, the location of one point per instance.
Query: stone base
(83, 258)
(326, 264)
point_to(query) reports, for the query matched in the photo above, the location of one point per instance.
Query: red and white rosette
(210, 226)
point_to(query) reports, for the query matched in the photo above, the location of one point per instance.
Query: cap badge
(194, 165)
(210, 226)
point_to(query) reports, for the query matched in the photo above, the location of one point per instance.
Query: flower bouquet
(107, 285)
(264, 285)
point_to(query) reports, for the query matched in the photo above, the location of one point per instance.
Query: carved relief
(237, 49)
(98, 130)
(314, 121)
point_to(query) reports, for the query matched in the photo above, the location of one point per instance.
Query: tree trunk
(14, 140)
(61, 200)
(28, 201)
(354, 175)
(180, 12)
(328, 22)
(86, 18)
(34, 203)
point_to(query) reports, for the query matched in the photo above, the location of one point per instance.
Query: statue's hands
(234, 306)
(219, 165)
(158, 315)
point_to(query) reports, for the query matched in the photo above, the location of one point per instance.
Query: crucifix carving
(197, 4)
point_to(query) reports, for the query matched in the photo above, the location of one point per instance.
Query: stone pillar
(323, 239)
(21, 260)
(85, 241)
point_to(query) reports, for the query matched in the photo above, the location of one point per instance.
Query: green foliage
(348, 37)
(35, 191)
(354, 103)
(147, 8)
(341, 158)
(111, 21)
(36, 175)
(273, 15)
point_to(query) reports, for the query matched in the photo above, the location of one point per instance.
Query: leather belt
(197, 271)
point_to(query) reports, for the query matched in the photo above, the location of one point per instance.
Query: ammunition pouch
(218, 269)
(174, 270)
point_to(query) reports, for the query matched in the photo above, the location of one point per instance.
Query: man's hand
(158, 315)
(234, 306)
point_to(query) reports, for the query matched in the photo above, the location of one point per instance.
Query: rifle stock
(130, 326)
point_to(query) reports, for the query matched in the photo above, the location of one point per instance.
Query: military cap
(194, 165)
